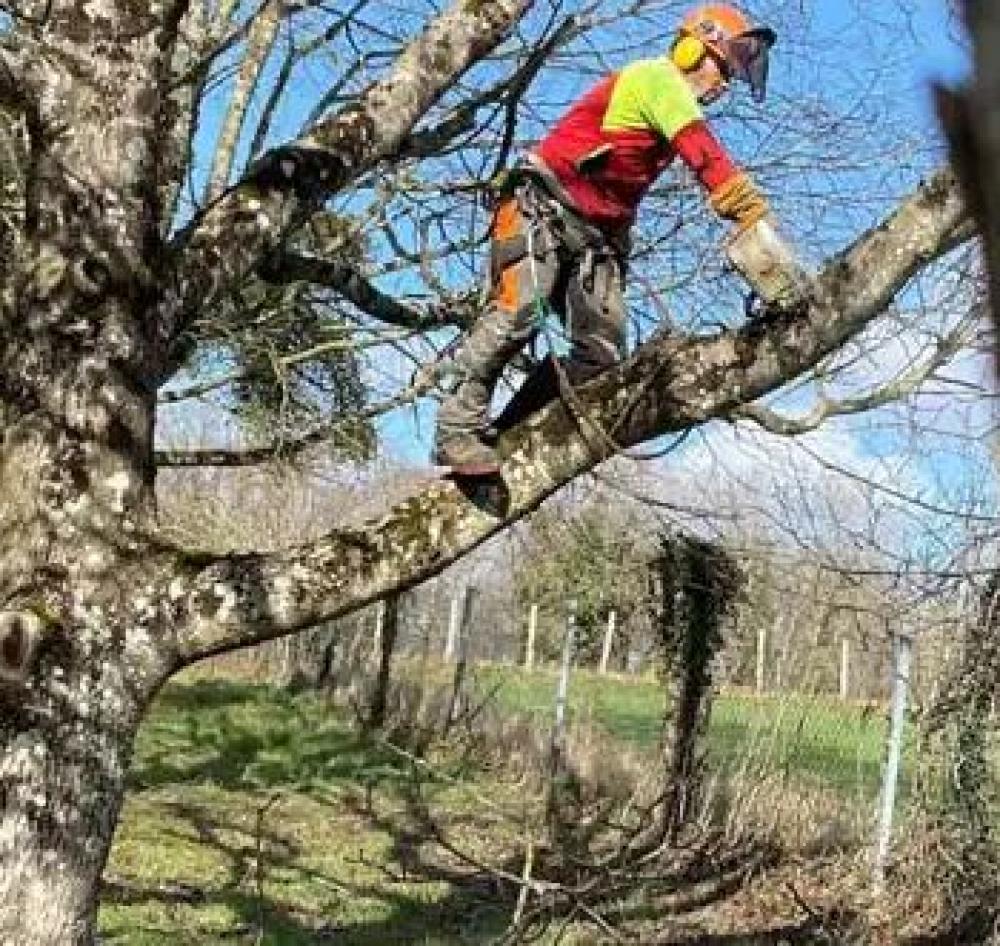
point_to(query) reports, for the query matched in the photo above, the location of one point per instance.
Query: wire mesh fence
(799, 731)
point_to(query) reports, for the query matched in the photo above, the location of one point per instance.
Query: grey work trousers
(539, 251)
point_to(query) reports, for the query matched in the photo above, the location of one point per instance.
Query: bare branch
(260, 43)
(463, 119)
(16, 90)
(345, 343)
(256, 456)
(346, 280)
(225, 243)
(293, 57)
(226, 602)
(895, 390)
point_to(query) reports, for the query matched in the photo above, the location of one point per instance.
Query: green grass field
(258, 816)
(814, 740)
(254, 809)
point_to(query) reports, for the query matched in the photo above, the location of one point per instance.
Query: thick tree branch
(225, 602)
(226, 242)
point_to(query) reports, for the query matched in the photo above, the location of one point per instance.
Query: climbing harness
(558, 333)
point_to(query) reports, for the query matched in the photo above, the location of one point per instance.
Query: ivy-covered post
(698, 584)
(959, 783)
(387, 641)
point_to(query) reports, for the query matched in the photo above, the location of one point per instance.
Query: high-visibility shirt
(613, 143)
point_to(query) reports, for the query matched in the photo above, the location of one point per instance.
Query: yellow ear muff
(688, 52)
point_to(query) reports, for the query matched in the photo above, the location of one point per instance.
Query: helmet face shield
(747, 56)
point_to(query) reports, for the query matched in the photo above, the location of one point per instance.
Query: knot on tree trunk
(20, 632)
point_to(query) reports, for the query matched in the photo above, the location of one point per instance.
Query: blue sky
(852, 51)
(932, 55)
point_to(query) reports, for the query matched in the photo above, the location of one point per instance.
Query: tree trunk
(81, 649)
(85, 640)
(387, 646)
(62, 773)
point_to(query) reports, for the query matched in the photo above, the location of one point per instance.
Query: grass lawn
(258, 816)
(817, 740)
(254, 809)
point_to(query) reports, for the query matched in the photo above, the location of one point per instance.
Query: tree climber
(560, 230)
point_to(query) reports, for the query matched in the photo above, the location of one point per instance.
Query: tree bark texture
(76, 354)
(97, 610)
(971, 120)
(93, 301)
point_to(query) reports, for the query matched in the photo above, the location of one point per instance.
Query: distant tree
(600, 556)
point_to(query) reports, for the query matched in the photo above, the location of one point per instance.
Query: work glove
(739, 200)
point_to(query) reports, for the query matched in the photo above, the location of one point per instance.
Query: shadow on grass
(672, 887)
(261, 742)
(243, 737)
(805, 933)
(257, 860)
(247, 736)
(455, 919)
(976, 926)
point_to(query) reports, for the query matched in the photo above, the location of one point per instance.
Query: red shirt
(613, 143)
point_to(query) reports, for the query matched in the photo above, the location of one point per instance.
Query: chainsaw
(769, 265)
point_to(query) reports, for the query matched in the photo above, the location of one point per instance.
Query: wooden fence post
(529, 652)
(562, 687)
(761, 658)
(609, 636)
(845, 668)
(379, 627)
(454, 617)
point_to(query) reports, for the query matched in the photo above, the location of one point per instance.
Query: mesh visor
(747, 56)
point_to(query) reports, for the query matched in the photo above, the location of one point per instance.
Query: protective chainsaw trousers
(542, 258)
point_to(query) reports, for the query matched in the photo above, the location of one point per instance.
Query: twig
(259, 864)
(522, 897)
(815, 918)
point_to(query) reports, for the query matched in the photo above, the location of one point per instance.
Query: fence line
(759, 681)
(845, 668)
(529, 652)
(454, 617)
(562, 687)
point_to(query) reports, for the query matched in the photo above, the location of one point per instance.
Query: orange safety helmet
(729, 35)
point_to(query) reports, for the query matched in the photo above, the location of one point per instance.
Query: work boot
(466, 454)
(461, 441)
